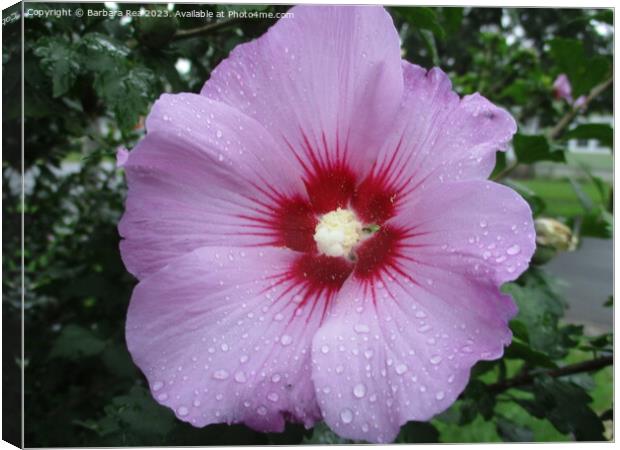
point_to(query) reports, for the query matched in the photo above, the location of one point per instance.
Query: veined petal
(440, 137)
(326, 82)
(201, 170)
(220, 336)
(478, 228)
(397, 350)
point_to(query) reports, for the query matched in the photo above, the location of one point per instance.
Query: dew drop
(261, 410)
(325, 349)
(359, 390)
(157, 386)
(273, 397)
(218, 133)
(240, 377)
(183, 411)
(514, 250)
(435, 359)
(346, 415)
(361, 328)
(286, 340)
(440, 395)
(220, 374)
(400, 368)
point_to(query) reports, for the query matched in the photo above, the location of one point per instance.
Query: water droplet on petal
(220, 374)
(435, 359)
(440, 395)
(157, 386)
(361, 328)
(286, 340)
(359, 390)
(183, 411)
(514, 250)
(273, 397)
(324, 349)
(261, 410)
(240, 377)
(346, 415)
(400, 368)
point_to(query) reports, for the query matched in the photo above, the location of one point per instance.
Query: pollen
(338, 232)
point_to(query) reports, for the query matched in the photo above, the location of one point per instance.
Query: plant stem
(557, 130)
(528, 378)
(572, 113)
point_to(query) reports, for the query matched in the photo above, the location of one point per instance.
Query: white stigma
(337, 232)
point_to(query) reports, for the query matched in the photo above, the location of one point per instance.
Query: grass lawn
(559, 196)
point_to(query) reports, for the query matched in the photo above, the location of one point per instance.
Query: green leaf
(422, 18)
(75, 342)
(417, 432)
(511, 431)
(583, 73)
(610, 302)
(601, 132)
(533, 148)
(540, 308)
(566, 406)
(60, 61)
(521, 351)
(452, 18)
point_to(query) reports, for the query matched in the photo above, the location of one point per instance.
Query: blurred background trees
(89, 84)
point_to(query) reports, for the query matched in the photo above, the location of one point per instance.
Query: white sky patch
(183, 66)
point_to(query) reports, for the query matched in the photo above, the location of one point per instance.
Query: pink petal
(439, 136)
(402, 350)
(221, 340)
(326, 82)
(478, 228)
(121, 156)
(200, 168)
(562, 88)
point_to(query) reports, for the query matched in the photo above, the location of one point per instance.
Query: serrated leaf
(566, 406)
(540, 308)
(60, 61)
(521, 351)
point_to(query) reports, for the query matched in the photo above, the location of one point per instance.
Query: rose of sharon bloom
(315, 237)
(562, 88)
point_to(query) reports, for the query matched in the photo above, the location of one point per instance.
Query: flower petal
(200, 168)
(400, 351)
(438, 136)
(221, 340)
(478, 228)
(326, 81)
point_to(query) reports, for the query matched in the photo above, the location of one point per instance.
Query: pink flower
(580, 103)
(315, 237)
(562, 88)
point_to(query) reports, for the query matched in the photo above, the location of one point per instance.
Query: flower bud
(554, 234)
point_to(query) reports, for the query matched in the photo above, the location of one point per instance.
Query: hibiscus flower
(314, 235)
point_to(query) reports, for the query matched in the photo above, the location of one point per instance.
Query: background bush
(89, 83)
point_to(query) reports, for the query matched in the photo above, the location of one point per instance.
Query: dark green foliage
(90, 83)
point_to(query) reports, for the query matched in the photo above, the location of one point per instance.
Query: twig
(205, 29)
(557, 130)
(528, 378)
(570, 115)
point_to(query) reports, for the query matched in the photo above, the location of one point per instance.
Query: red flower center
(291, 222)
